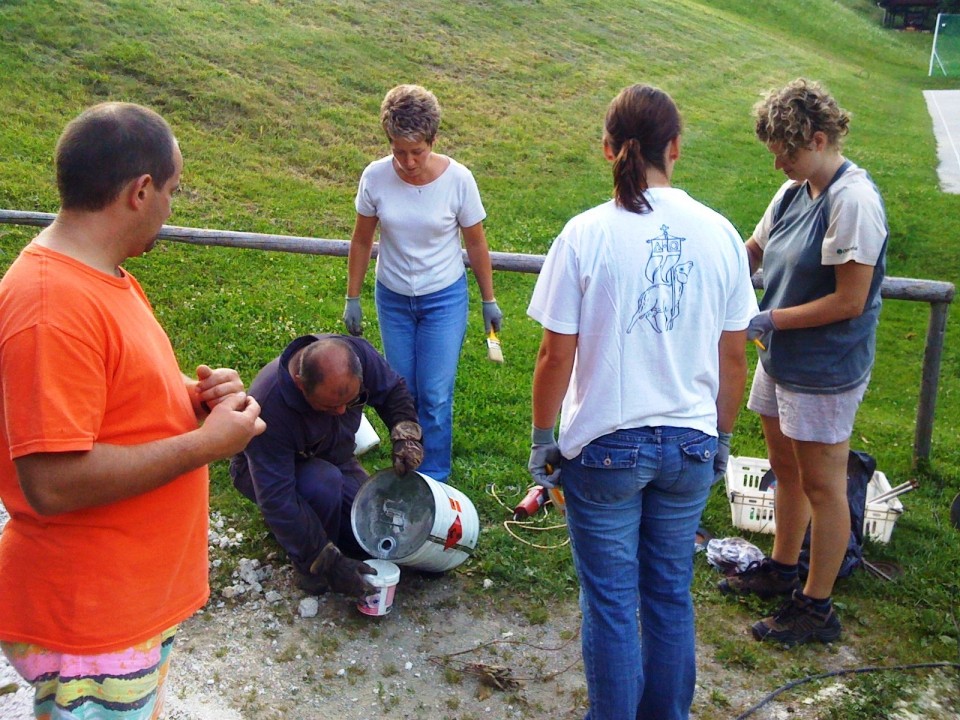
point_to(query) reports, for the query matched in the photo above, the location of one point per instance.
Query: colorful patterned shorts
(123, 685)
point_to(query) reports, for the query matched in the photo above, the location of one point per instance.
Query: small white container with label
(385, 581)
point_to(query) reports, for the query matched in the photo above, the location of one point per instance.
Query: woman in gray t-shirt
(822, 244)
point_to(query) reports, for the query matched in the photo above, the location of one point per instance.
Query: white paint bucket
(414, 520)
(386, 579)
(366, 437)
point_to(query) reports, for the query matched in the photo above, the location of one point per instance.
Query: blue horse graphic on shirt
(660, 303)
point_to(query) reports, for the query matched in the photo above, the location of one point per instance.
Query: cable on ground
(530, 525)
(837, 673)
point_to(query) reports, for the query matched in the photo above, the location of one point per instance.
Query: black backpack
(860, 469)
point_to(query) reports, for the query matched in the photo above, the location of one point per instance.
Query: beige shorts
(805, 416)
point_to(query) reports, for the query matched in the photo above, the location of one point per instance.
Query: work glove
(492, 317)
(722, 457)
(344, 575)
(760, 325)
(353, 316)
(545, 457)
(407, 449)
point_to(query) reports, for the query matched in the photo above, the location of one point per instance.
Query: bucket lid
(392, 515)
(387, 573)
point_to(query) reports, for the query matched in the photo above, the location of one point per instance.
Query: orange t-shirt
(84, 361)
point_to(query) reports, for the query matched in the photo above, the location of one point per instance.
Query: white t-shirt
(419, 225)
(648, 295)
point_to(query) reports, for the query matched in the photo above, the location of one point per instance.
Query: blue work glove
(353, 316)
(722, 457)
(492, 317)
(761, 325)
(544, 452)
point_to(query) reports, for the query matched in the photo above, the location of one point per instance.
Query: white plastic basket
(753, 509)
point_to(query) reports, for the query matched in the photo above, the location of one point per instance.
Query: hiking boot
(797, 622)
(759, 578)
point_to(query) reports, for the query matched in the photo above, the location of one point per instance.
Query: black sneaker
(759, 578)
(797, 622)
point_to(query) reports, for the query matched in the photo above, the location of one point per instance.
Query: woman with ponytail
(645, 301)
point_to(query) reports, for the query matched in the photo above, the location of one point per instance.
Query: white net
(945, 55)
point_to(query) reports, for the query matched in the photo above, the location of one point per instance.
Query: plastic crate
(753, 509)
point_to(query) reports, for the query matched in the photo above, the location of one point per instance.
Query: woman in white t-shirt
(423, 202)
(644, 302)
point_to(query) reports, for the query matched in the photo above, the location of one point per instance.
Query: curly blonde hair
(790, 116)
(410, 112)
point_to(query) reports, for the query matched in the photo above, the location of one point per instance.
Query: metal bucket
(414, 520)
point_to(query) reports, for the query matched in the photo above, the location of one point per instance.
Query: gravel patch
(262, 650)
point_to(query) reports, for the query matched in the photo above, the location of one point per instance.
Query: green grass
(275, 104)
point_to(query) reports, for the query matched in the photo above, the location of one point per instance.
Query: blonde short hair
(410, 112)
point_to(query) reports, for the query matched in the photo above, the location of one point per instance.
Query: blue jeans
(634, 500)
(422, 337)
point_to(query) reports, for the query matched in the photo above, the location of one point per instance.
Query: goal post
(945, 54)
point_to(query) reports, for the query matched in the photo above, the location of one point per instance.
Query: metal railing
(938, 294)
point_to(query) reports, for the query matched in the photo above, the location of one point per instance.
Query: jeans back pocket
(702, 448)
(608, 458)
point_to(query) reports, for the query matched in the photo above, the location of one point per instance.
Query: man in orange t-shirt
(103, 460)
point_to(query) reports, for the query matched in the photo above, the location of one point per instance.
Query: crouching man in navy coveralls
(302, 472)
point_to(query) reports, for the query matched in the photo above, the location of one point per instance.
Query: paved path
(944, 107)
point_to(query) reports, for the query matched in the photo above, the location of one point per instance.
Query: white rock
(273, 596)
(247, 570)
(309, 607)
(487, 583)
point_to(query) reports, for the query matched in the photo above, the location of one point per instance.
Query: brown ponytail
(641, 121)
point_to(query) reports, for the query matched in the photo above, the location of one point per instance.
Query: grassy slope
(275, 104)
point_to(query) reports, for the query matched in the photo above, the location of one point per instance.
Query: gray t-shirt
(802, 240)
